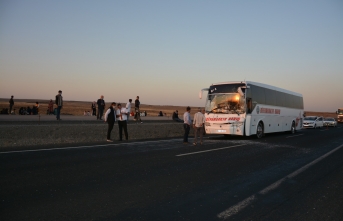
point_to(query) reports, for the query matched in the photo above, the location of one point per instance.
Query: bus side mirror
(240, 92)
(200, 93)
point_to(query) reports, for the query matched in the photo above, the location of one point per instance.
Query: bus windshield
(340, 111)
(231, 103)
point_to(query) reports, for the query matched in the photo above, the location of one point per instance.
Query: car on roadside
(313, 122)
(329, 121)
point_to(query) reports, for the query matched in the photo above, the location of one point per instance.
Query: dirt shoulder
(15, 134)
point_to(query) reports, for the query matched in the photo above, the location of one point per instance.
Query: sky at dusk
(167, 51)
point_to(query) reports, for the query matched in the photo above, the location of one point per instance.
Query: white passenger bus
(250, 108)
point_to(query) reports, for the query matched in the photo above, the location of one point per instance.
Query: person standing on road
(93, 108)
(101, 107)
(198, 125)
(110, 118)
(137, 111)
(11, 101)
(122, 117)
(59, 104)
(128, 108)
(187, 122)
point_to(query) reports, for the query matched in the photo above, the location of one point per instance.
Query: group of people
(101, 107)
(198, 124)
(121, 114)
(29, 111)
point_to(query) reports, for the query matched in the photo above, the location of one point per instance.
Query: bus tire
(293, 129)
(259, 130)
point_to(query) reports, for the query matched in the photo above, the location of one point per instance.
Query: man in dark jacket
(137, 111)
(11, 104)
(110, 118)
(59, 103)
(101, 107)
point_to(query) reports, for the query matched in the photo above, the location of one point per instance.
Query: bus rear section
(339, 115)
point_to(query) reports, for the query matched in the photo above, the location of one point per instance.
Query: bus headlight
(237, 124)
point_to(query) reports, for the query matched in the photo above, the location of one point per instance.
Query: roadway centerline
(185, 154)
(247, 201)
(295, 135)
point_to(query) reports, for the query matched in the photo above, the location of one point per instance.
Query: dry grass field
(78, 108)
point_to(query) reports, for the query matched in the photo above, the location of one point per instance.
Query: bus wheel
(293, 128)
(259, 132)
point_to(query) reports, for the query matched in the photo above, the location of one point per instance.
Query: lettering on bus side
(264, 110)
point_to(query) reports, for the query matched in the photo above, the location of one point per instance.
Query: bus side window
(249, 105)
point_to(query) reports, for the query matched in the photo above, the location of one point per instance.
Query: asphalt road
(278, 177)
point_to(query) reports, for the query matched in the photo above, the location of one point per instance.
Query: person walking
(94, 108)
(110, 118)
(137, 111)
(11, 101)
(198, 125)
(101, 107)
(59, 104)
(128, 108)
(187, 122)
(122, 117)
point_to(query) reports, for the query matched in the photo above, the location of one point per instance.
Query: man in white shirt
(128, 108)
(110, 118)
(122, 117)
(198, 125)
(187, 122)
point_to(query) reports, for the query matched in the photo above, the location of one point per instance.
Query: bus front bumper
(230, 129)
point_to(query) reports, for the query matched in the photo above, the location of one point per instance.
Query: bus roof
(261, 85)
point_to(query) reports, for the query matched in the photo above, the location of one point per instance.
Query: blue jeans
(58, 112)
(187, 129)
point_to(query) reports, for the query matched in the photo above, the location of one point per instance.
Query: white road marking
(244, 203)
(80, 147)
(180, 155)
(295, 135)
